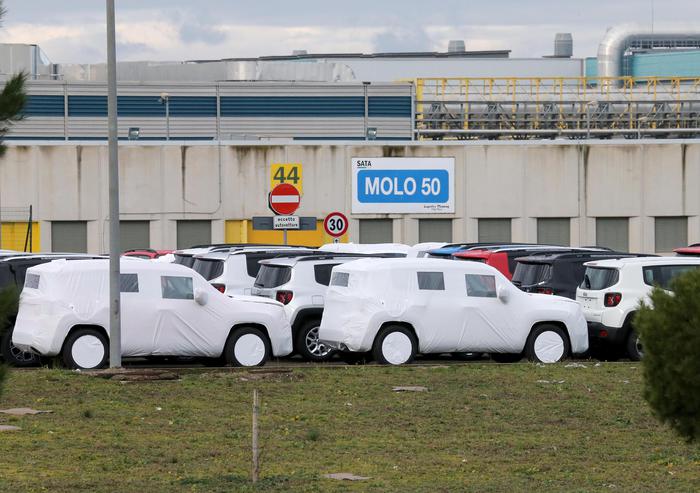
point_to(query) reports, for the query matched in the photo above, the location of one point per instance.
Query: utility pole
(115, 333)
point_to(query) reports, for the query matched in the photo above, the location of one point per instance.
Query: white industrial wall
(523, 181)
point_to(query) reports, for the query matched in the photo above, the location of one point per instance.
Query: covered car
(166, 310)
(399, 307)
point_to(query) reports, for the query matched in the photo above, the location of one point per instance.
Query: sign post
(284, 200)
(336, 225)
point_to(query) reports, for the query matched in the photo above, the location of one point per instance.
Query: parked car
(186, 256)
(234, 272)
(504, 258)
(13, 268)
(399, 307)
(146, 253)
(689, 251)
(557, 273)
(420, 250)
(611, 291)
(300, 283)
(167, 310)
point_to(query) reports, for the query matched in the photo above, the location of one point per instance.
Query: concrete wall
(524, 181)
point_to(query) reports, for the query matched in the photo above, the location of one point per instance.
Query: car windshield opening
(271, 276)
(527, 274)
(597, 278)
(208, 268)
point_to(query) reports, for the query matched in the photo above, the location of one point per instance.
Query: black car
(13, 269)
(558, 273)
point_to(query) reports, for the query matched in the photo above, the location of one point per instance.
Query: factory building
(532, 149)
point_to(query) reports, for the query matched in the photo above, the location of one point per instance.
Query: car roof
(381, 265)
(619, 263)
(330, 257)
(577, 255)
(689, 250)
(127, 265)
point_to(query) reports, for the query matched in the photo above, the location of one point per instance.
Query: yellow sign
(286, 173)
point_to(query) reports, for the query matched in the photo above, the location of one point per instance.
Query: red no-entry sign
(284, 199)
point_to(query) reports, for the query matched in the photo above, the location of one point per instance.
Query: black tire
(306, 342)
(75, 338)
(235, 338)
(633, 346)
(378, 350)
(13, 356)
(551, 332)
(506, 357)
(467, 356)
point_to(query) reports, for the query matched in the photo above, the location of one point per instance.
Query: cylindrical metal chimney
(563, 45)
(455, 46)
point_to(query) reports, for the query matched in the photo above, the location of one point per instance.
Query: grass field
(480, 427)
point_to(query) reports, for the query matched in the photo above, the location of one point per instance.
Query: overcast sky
(73, 30)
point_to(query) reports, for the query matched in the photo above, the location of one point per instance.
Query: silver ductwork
(619, 39)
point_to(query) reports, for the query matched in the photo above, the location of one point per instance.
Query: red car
(146, 253)
(689, 251)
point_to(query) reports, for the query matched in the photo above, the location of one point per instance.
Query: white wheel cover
(249, 350)
(396, 348)
(87, 351)
(549, 347)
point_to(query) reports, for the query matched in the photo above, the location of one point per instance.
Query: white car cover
(166, 309)
(366, 294)
(366, 248)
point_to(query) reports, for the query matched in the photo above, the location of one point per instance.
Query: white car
(234, 272)
(399, 307)
(612, 290)
(166, 310)
(300, 283)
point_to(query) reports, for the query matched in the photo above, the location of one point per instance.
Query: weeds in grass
(313, 435)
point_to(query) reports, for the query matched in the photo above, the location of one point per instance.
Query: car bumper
(600, 334)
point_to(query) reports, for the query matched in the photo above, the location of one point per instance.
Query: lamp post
(115, 337)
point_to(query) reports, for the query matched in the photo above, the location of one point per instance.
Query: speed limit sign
(335, 224)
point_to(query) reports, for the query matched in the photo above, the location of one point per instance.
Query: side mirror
(503, 294)
(201, 297)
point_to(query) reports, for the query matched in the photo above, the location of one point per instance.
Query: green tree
(12, 98)
(670, 334)
(12, 101)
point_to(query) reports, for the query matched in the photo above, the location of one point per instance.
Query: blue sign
(403, 185)
(415, 186)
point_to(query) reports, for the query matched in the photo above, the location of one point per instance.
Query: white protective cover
(420, 250)
(77, 293)
(383, 291)
(366, 248)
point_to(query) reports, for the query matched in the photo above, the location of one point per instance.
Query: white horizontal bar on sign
(284, 199)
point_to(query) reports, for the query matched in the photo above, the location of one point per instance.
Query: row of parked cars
(242, 304)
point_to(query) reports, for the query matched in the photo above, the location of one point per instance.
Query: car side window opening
(662, 275)
(431, 281)
(128, 283)
(340, 279)
(177, 287)
(32, 281)
(481, 286)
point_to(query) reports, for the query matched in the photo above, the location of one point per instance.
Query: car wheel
(466, 356)
(86, 349)
(547, 344)
(634, 346)
(394, 345)
(308, 345)
(247, 346)
(15, 356)
(506, 357)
